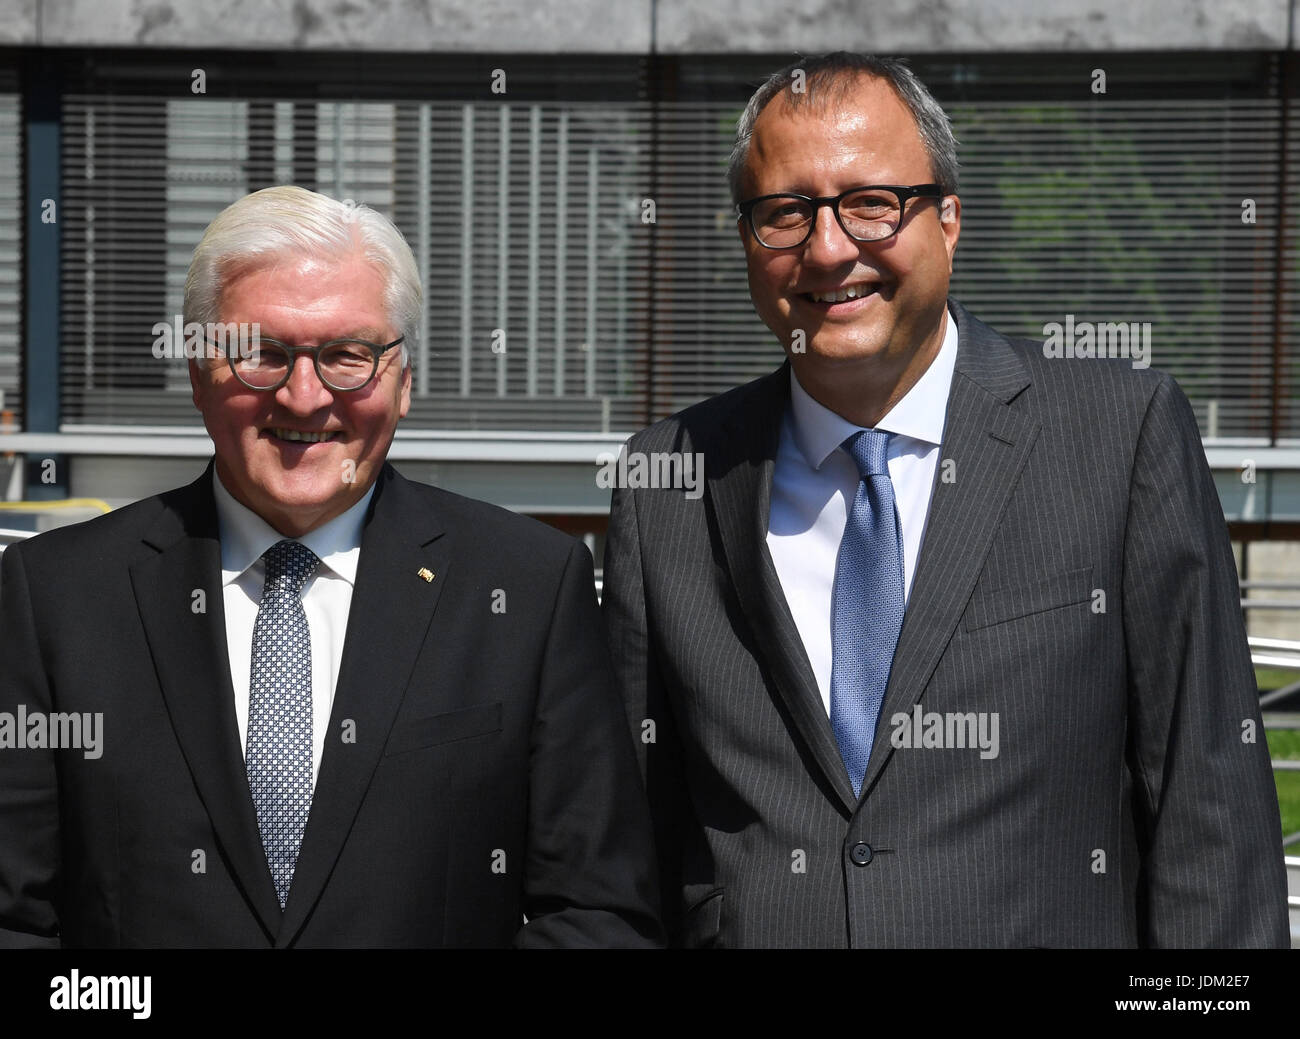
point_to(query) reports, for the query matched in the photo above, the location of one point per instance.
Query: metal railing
(1272, 586)
(1281, 654)
(1293, 897)
(8, 537)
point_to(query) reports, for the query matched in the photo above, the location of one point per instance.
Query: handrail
(1271, 585)
(1268, 643)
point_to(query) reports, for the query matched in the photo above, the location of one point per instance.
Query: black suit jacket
(1075, 579)
(476, 768)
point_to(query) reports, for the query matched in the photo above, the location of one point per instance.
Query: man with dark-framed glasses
(950, 652)
(341, 364)
(338, 708)
(870, 213)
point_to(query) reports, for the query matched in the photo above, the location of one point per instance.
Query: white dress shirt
(326, 599)
(815, 481)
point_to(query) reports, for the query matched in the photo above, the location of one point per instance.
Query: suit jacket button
(860, 853)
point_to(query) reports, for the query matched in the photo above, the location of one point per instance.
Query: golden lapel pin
(426, 573)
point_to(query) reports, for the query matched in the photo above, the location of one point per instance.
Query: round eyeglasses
(867, 214)
(341, 364)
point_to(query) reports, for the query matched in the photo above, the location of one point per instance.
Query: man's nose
(828, 245)
(304, 392)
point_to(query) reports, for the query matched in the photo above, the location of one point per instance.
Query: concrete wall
(674, 26)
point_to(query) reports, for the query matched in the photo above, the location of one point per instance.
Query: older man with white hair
(339, 708)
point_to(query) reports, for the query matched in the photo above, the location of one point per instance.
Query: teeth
(293, 434)
(840, 295)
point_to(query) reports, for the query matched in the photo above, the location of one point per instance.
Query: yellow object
(64, 503)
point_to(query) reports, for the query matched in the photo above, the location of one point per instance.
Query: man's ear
(950, 224)
(405, 404)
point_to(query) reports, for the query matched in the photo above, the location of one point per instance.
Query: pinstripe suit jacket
(1076, 579)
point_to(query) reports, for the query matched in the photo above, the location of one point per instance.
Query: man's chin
(300, 514)
(828, 353)
(305, 498)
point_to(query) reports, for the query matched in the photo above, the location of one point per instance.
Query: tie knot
(288, 565)
(869, 448)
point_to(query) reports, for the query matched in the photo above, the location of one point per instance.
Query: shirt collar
(245, 536)
(919, 415)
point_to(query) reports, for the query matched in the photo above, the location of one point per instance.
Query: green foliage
(1284, 745)
(1099, 219)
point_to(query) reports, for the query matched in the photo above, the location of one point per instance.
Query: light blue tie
(279, 752)
(866, 605)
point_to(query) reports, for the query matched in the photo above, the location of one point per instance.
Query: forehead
(861, 133)
(308, 290)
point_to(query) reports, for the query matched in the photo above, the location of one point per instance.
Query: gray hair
(832, 77)
(287, 220)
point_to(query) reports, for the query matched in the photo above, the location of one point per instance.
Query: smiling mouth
(298, 436)
(845, 293)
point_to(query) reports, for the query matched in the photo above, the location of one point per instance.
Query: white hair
(284, 221)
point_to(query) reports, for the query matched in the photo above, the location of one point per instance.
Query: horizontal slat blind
(1287, 390)
(553, 303)
(708, 337)
(1130, 211)
(11, 159)
(524, 218)
(115, 245)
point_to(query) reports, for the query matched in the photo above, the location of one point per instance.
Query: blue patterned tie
(279, 752)
(866, 605)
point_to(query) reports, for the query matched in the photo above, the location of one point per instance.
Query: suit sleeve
(29, 784)
(1205, 802)
(589, 876)
(645, 702)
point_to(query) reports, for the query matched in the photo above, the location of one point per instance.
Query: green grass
(1284, 745)
(1268, 678)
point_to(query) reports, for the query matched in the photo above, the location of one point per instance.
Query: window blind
(579, 251)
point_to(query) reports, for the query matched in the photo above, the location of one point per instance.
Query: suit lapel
(740, 470)
(189, 653)
(388, 621)
(988, 443)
